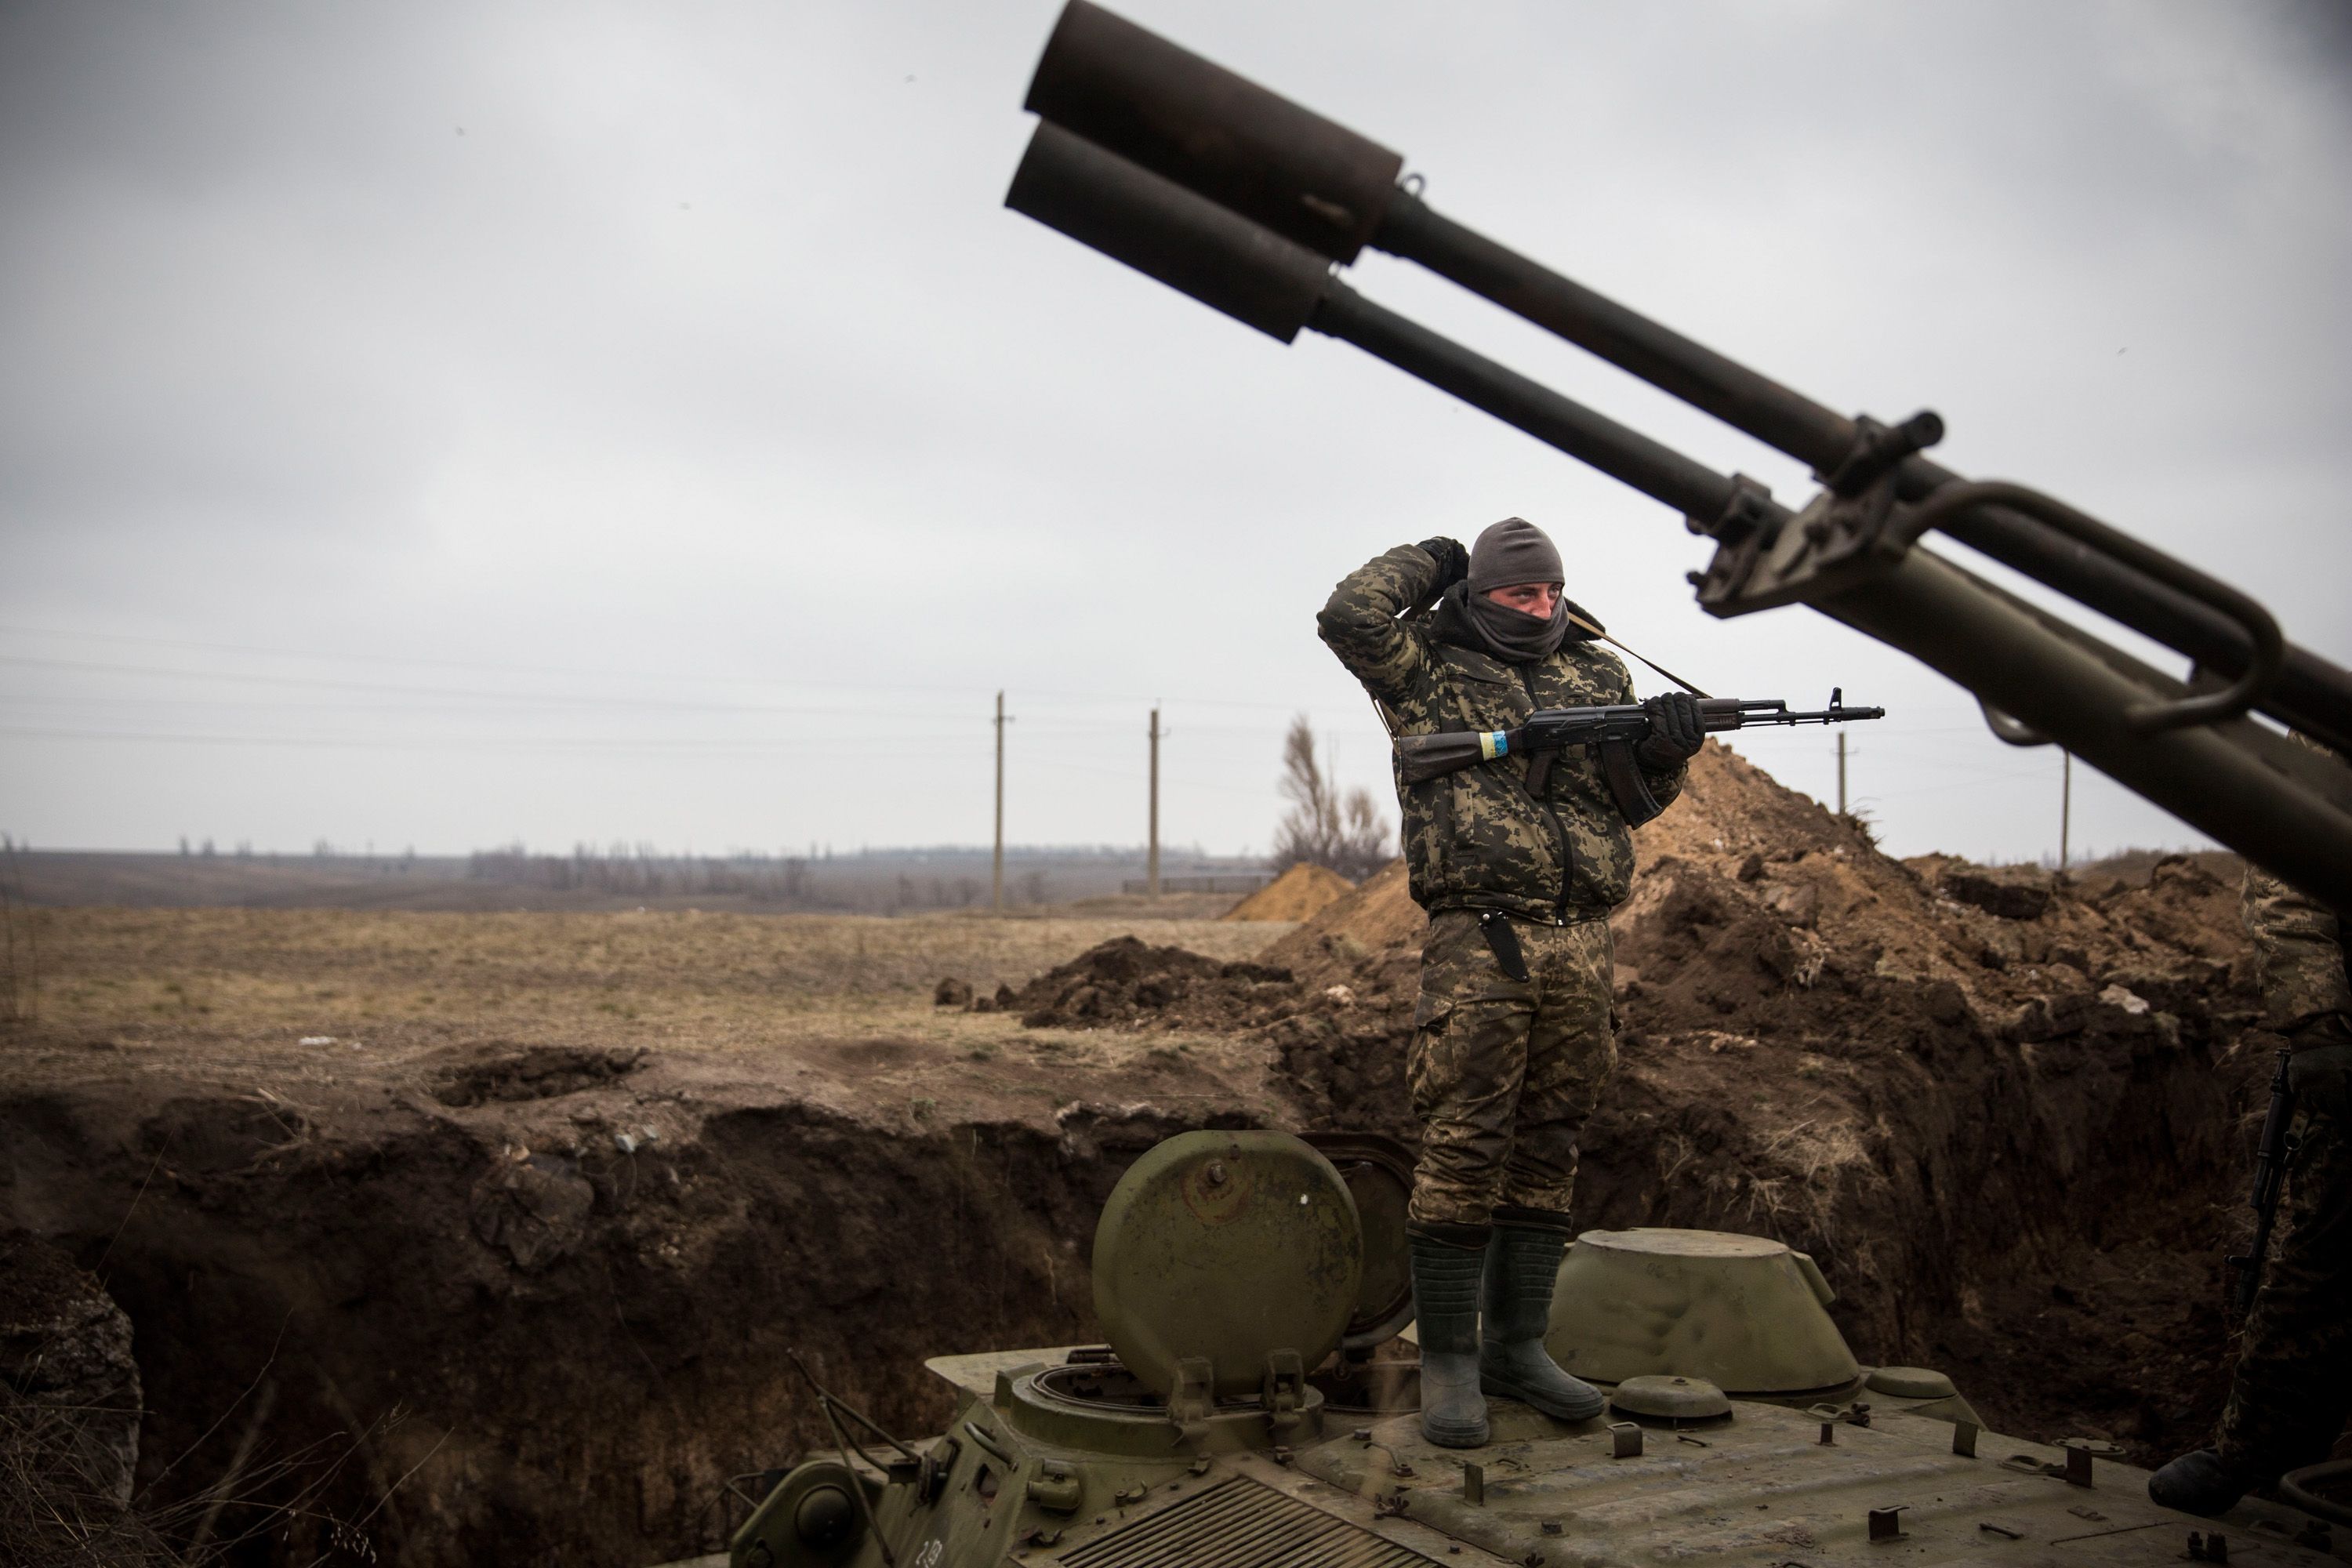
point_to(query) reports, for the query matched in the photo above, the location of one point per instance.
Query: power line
(330, 656)
(808, 745)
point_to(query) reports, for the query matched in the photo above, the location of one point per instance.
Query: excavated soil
(2007, 1112)
(442, 1289)
(445, 1239)
(461, 1304)
(1300, 893)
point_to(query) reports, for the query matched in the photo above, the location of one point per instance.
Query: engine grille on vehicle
(1242, 1524)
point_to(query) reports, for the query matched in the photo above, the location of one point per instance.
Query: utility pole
(2065, 804)
(996, 878)
(1152, 856)
(1840, 773)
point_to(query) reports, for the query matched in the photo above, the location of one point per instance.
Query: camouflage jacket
(1478, 838)
(2299, 957)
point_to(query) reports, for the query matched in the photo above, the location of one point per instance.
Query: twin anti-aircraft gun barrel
(1246, 200)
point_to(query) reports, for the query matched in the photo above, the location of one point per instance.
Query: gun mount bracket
(1834, 543)
(1879, 449)
(1843, 536)
(1747, 512)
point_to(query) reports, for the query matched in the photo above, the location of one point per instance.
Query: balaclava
(1514, 551)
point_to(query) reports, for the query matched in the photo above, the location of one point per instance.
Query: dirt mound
(2002, 1108)
(1300, 893)
(1375, 918)
(1126, 981)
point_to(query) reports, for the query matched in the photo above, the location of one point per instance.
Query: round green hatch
(1670, 1398)
(1226, 1247)
(1742, 1311)
(1911, 1383)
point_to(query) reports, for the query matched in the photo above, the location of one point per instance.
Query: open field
(710, 981)
(1037, 881)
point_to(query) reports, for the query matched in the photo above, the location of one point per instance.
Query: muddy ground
(487, 1236)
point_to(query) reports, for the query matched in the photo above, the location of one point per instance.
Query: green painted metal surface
(1226, 1247)
(1740, 1312)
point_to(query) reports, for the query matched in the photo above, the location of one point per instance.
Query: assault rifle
(1614, 729)
(2272, 1157)
(1247, 202)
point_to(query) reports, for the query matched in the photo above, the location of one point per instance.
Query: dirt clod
(534, 1209)
(2014, 893)
(1126, 981)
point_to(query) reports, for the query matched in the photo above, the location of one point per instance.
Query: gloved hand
(1675, 734)
(2322, 1076)
(1452, 560)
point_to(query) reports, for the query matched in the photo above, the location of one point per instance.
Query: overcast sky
(444, 424)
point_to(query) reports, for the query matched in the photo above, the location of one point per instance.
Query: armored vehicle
(1255, 1402)
(1252, 1410)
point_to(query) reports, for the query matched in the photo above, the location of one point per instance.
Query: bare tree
(1348, 834)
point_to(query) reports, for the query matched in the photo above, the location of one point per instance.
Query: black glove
(1675, 734)
(1452, 560)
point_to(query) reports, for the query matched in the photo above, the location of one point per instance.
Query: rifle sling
(1582, 624)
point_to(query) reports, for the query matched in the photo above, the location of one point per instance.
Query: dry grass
(711, 979)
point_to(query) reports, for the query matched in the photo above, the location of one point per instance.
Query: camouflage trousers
(1503, 1073)
(2293, 1387)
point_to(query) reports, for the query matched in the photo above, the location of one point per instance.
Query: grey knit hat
(1514, 551)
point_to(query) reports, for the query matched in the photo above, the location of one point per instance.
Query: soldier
(1518, 862)
(2293, 1386)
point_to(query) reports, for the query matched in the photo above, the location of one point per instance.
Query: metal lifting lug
(1194, 1399)
(1284, 1392)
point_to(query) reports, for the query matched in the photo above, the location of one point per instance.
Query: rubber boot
(1522, 1260)
(2199, 1482)
(1447, 1260)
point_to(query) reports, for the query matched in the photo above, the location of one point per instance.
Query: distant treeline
(645, 874)
(882, 882)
